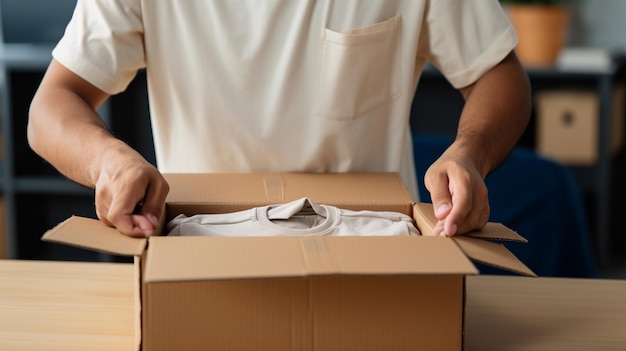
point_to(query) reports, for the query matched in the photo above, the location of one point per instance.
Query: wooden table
(50, 305)
(521, 313)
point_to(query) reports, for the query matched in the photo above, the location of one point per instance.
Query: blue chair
(537, 197)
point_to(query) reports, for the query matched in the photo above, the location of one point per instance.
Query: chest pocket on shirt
(357, 71)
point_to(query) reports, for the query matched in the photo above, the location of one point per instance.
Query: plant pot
(541, 30)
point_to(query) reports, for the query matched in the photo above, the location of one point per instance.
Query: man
(279, 86)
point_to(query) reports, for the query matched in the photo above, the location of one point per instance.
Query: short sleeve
(464, 39)
(103, 43)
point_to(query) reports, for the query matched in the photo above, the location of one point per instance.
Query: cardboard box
(568, 125)
(297, 293)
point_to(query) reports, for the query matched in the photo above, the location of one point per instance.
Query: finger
(473, 212)
(450, 227)
(438, 229)
(121, 213)
(141, 226)
(437, 185)
(441, 211)
(154, 200)
(477, 218)
(126, 225)
(462, 202)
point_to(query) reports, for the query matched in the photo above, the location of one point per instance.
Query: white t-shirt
(283, 85)
(302, 217)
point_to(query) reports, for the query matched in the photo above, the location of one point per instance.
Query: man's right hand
(130, 193)
(65, 130)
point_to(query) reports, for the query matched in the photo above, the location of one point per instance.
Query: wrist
(111, 153)
(474, 150)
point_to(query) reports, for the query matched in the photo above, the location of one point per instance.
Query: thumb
(442, 206)
(437, 182)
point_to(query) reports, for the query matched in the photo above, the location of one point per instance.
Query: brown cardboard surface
(93, 234)
(201, 258)
(497, 231)
(356, 191)
(493, 254)
(315, 313)
(285, 293)
(473, 244)
(567, 126)
(425, 217)
(400, 255)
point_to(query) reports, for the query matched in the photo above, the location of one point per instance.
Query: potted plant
(541, 27)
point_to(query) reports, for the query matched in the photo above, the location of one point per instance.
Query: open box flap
(474, 245)
(213, 258)
(424, 216)
(385, 191)
(493, 254)
(497, 231)
(92, 234)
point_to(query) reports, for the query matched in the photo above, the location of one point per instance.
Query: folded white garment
(300, 217)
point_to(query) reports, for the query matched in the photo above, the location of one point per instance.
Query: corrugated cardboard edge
(493, 254)
(92, 234)
(474, 244)
(246, 190)
(226, 258)
(425, 216)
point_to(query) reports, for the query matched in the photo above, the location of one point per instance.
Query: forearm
(496, 112)
(65, 130)
(495, 115)
(68, 134)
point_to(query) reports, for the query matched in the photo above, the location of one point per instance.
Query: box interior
(290, 292)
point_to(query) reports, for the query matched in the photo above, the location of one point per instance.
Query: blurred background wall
(596, 23)
(599, 24)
